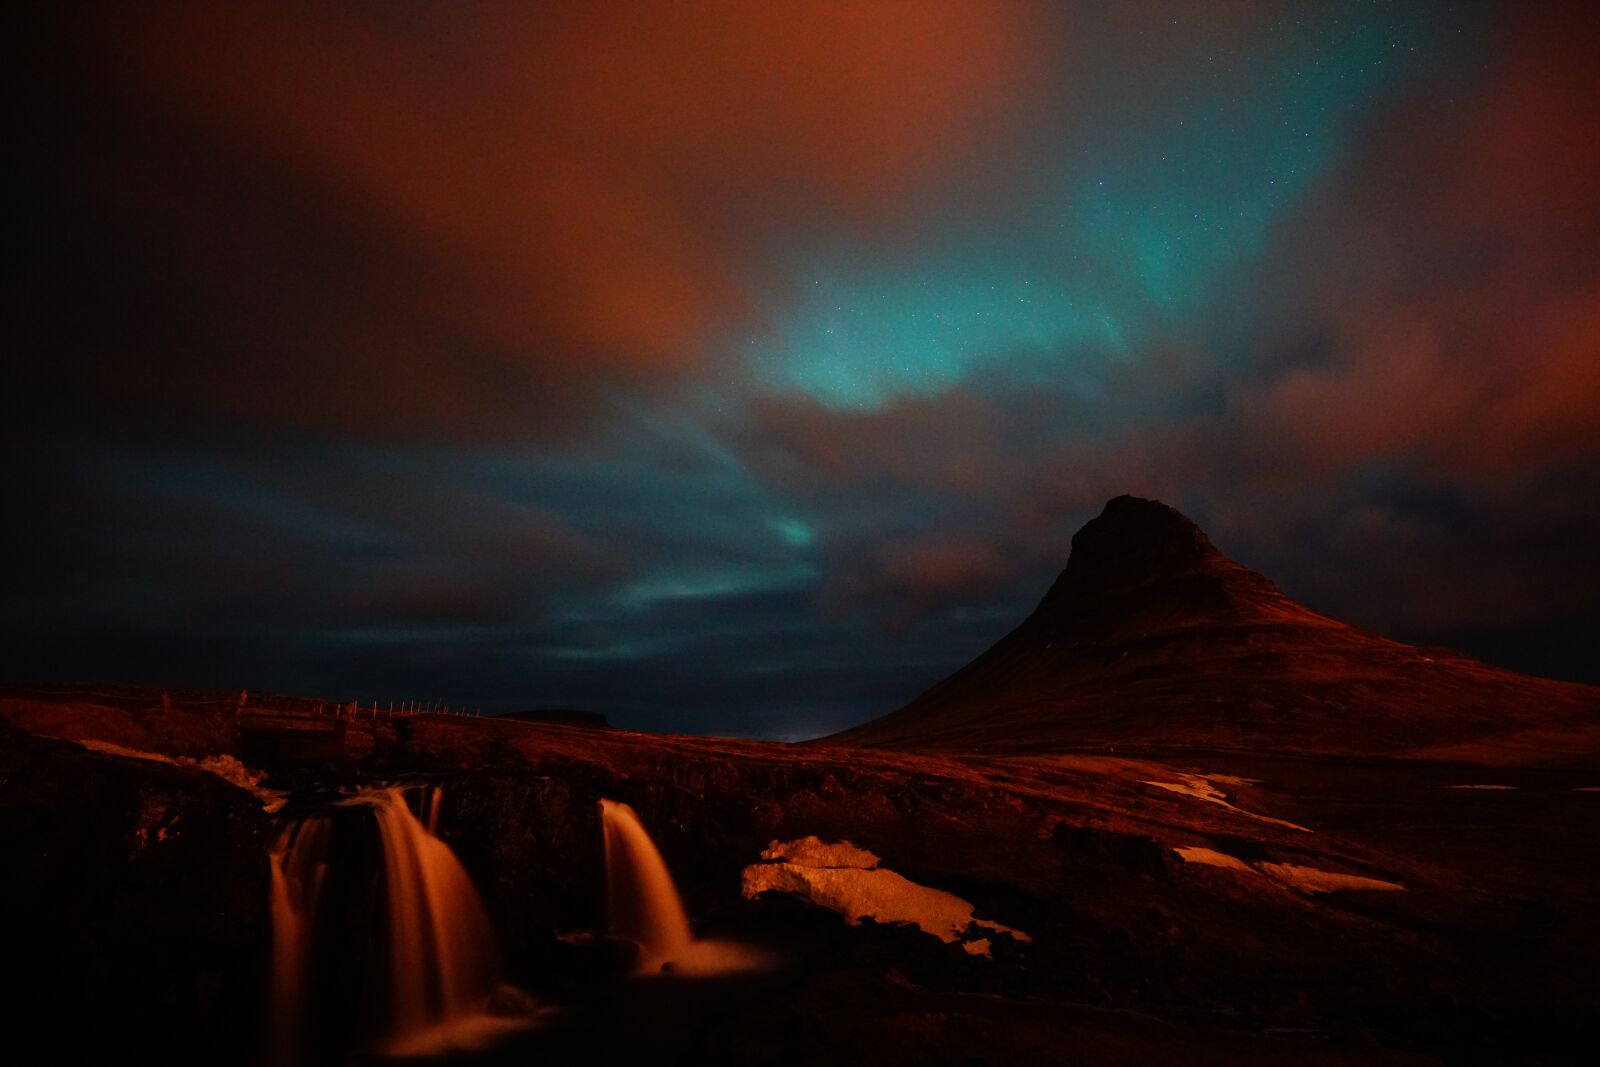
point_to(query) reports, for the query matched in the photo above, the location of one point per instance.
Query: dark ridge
(565, 716)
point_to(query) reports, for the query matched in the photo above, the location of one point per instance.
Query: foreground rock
(134, 903)
(848, 880)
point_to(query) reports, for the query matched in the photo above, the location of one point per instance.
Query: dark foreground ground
(136, 892)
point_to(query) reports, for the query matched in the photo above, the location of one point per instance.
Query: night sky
(744, 368)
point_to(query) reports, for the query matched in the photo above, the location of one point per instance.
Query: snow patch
(1199, 786)
(1314, 880)
(1305, 879)
(1195, 785)
(848, 880)
(1210, 857)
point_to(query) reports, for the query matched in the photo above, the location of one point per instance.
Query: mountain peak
(1133, 542)
(1134, 536)
(1152, 636)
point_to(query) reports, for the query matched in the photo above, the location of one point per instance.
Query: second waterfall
(642, 904)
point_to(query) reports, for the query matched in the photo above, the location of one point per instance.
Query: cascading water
(439, 971)
(643, 904)
(299, 863)
(442, 958)
(641, 901)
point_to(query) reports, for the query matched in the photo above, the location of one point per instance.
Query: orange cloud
(582, 188)
(1452, 271)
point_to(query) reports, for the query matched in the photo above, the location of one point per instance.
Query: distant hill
(565, 716)
(1152, 637)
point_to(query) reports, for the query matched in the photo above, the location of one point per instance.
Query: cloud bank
(747, 367)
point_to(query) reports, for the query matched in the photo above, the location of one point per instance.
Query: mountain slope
(1152, 637)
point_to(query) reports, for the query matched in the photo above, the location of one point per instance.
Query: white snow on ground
(1304, 879)
(1210, 857)
(1496, 787)
(228, 768)
(1199, 786)
(1194, 785)
(1312, 880)
(848, 880)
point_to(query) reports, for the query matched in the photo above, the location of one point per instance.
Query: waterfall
(641, 901)
(299, 863)
(643, 905)
(434, 982)
(442, 958)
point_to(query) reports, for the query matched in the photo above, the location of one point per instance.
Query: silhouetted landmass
(1151, 637)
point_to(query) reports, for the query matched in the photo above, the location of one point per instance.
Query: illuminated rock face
(813, 852)
(848, 880)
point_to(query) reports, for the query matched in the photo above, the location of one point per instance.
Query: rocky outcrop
(142, 720)
(846, 879)
(134, 902)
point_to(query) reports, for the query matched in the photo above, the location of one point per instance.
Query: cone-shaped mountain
(1151, 637)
